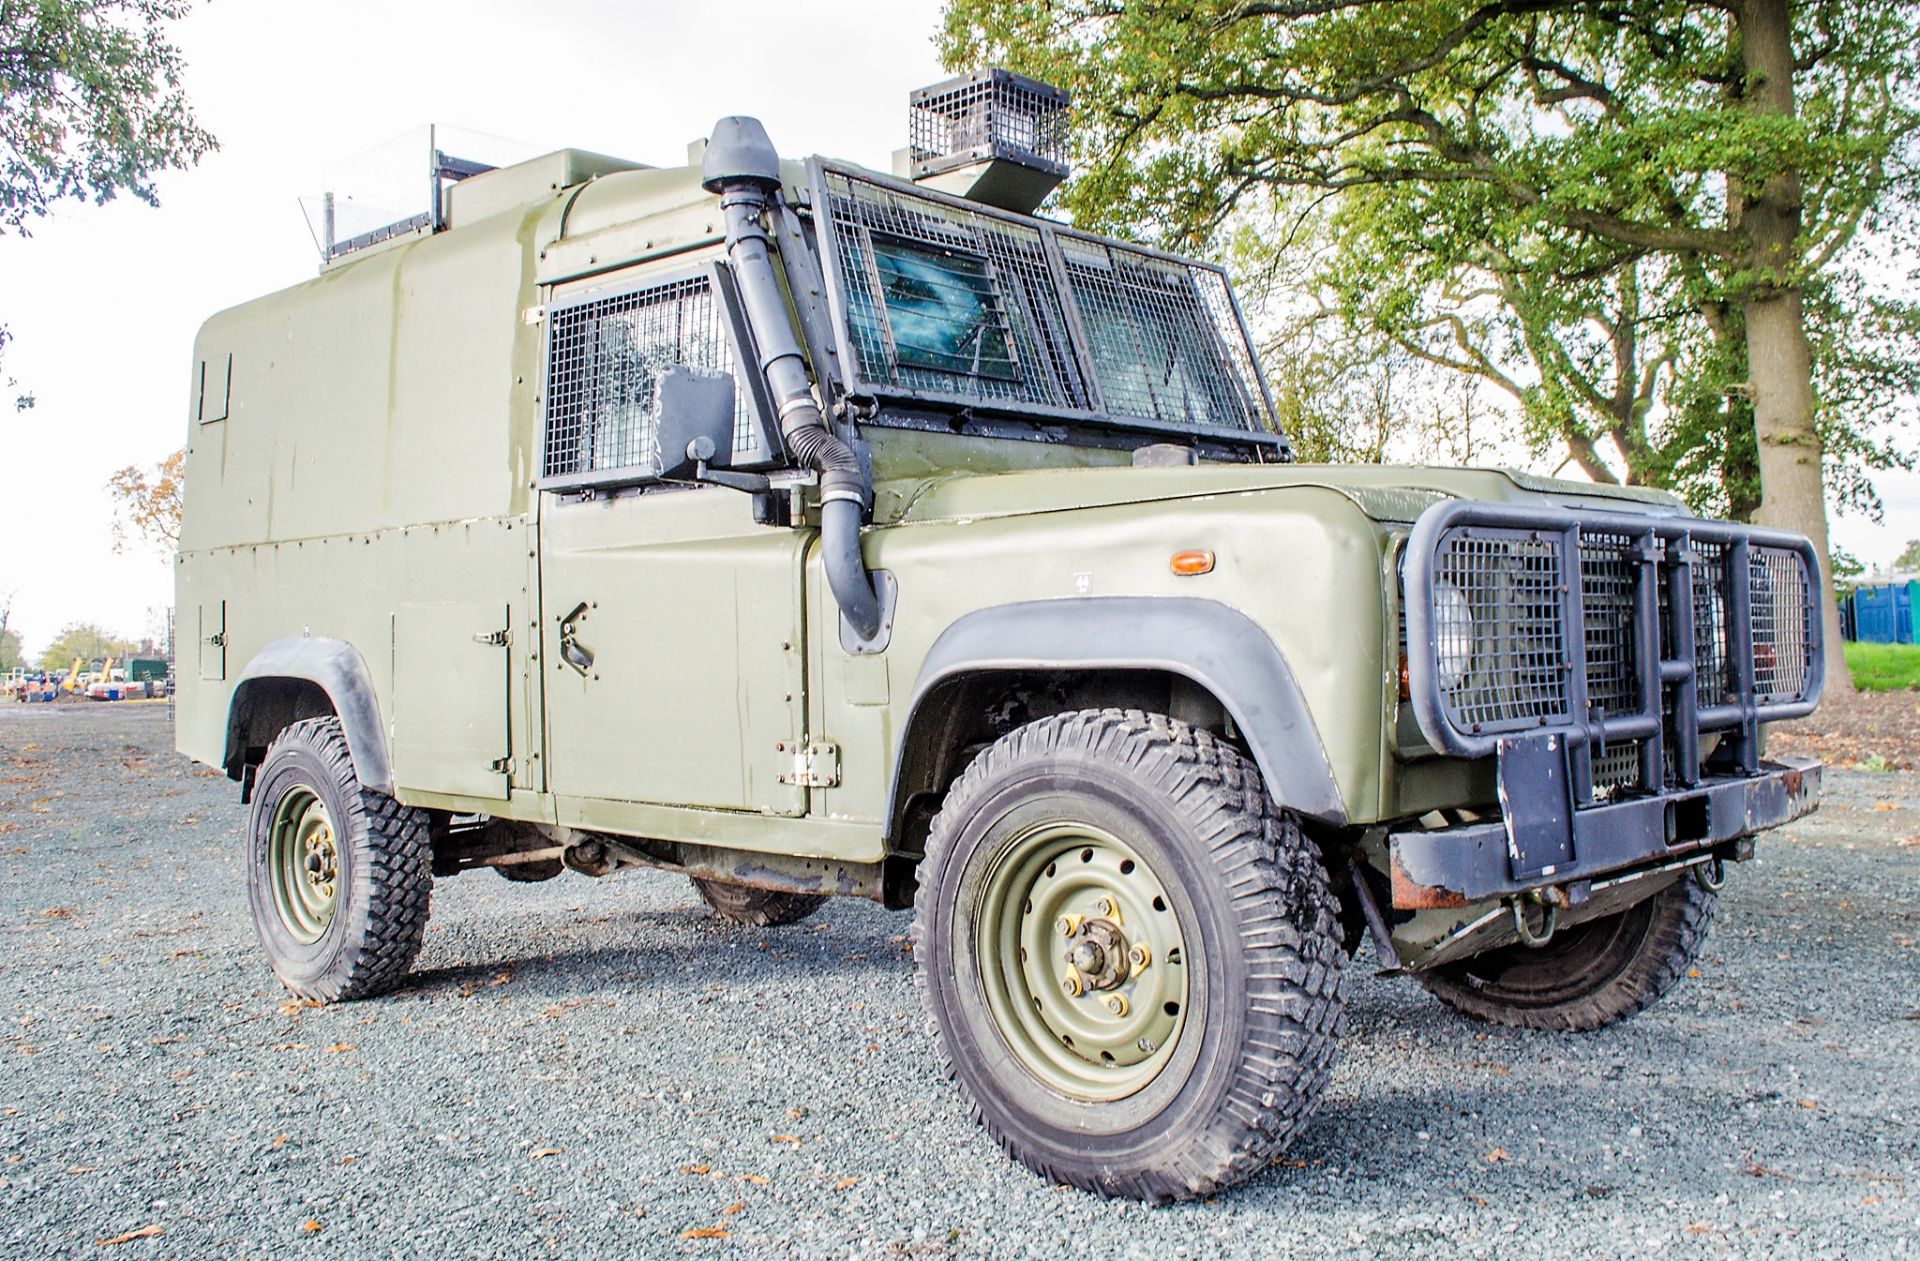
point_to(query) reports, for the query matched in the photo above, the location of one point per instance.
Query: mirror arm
(752, 483)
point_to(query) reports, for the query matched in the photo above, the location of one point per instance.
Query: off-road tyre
(761, 908)
(1588, 976)
(1264, 980)
(384, 864)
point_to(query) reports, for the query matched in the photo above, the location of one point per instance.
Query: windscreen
(944, 302)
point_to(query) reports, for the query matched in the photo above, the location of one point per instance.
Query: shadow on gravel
(595, 968)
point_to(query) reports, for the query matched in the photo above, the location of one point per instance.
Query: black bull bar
(1664, 637)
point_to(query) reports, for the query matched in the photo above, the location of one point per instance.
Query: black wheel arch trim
(1209, 643)
(337, 669)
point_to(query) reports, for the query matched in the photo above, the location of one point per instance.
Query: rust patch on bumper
(1410, 895)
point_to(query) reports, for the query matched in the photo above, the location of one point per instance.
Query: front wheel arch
(1111, 643)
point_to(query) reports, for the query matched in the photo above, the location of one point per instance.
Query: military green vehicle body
(365, 531)
(607, 669)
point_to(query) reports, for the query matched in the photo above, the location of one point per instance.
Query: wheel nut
(1071, 986)
(1068, 925)
(1139, 956)
(1107, 907)
(1117, 1004)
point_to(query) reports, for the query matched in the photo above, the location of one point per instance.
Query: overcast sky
(104, 301)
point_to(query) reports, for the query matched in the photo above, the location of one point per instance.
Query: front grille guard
(1548, 634)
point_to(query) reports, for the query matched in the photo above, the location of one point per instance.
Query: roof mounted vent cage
(991, 136)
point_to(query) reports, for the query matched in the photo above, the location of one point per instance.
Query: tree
(1907, 562)
(147, 504)
(1581, 174)
(11, 649)
(91, 105)
(85, 641)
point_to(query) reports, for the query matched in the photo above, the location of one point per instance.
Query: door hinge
(815, 765)
(496, 638)
(501, 766)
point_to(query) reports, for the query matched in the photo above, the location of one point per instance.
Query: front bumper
(1459, 866)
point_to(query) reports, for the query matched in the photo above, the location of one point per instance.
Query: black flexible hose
(843, 483)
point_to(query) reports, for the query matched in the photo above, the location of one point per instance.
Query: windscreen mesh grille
(951, 303)
(604, 356)
(1159, 349)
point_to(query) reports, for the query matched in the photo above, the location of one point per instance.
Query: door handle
(572, 651)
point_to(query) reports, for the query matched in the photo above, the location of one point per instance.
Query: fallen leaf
(1697, 1228)
(83, 1169)
(310, 1225)
(1869, 1199)
(1807, 1104)
(339, 1047)
(58, 912)
(1491, 1066)
(1758, 1170)
(733, 1208)
(785, 1138)
(1884, 805)
(757, 1179)
(1496, 1155)
(1694, 973)
(846, 1184)
(538, 1152)
(294, 1006)
(696, 1169)
(706, 1232)
(797, 1113)
(291, 1046)
(145, 1232)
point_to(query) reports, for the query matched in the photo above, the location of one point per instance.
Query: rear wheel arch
(1105, 651)
(294, 679)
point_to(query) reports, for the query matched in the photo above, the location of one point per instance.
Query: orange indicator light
(1189, 563)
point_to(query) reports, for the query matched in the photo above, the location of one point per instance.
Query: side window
(604, 353)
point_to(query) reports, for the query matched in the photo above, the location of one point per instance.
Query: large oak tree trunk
(1779, 360)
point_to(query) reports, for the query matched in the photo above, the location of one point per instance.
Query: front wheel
(1587, 976)
(338, 875)
(1131, 957)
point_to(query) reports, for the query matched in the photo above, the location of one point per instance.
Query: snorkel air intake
(742, 166)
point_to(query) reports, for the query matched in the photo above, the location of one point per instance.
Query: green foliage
(90, 103)
(90, 106)
(1884, 667)
(1555, 196)
(1909, 560)
(86, 641)
(12, 651)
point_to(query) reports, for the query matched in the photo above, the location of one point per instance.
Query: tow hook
(1531, 938)
(1711, 874)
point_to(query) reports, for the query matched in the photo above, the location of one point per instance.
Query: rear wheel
(1587, 976)
(1130, 956)
(762, 908)
(338, 876)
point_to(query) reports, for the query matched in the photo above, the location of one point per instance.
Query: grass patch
(1884, 667)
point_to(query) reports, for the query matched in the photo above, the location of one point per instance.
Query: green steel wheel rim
(303, 864)
(1082, 960)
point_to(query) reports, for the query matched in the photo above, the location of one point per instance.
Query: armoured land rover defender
(810, 531)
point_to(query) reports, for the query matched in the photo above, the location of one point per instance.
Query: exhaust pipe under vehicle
(742, 166)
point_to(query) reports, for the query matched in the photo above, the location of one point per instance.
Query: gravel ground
(600, 1068)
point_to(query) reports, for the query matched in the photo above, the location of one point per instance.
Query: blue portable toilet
(1883, 613)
